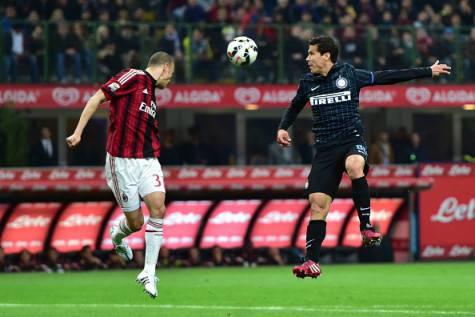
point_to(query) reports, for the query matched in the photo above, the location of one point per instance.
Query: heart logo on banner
(163, 96)
(65, 96)
(247, 95)
(418, 96)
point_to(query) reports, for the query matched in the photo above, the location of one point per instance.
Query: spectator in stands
(195, 151)
(44, 152)
(27, 262)
(416, 152)
(169, 150)
(194, 12)
(307, 149)
(138, 260)
(171, 43)
(84, 48)
(199, 49)
(107, 55)
(16, 53)
(35, 47)
(88, 261)
(114, 261)
(194, 257)
(52, 262)
(128, 47)
(294, 56)
(470, 55)
(278, 155)
(400, 143)
(67, 50)
(381, 152)
(4, 265)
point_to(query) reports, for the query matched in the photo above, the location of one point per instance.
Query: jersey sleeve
(389, 77)
(296, 105)
(364, 78)
(121, 84)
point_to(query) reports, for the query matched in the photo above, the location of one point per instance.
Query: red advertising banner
(339, 211)
(136, 240)
(28, 226)
(276, 223)
(182, 221)
(228, 223)
(255, 178)
(383, 211)
(447, 212)
(239, 96)
(79, 226)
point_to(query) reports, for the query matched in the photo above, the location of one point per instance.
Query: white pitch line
(335, 309)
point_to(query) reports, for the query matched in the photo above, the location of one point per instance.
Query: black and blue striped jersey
(334, 99)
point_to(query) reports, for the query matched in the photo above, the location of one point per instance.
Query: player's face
(166, 76)
(315, 60)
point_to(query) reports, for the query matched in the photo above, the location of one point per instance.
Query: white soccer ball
(242, 51)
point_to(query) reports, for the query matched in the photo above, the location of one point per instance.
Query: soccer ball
(242, 51)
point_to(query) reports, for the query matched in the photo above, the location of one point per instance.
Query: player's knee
(136, 224)
(355, 167)
(157, 211)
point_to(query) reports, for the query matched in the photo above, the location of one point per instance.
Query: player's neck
(328, 67)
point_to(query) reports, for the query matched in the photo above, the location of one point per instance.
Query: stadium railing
(200, 50)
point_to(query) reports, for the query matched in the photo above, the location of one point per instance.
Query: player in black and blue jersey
(332, 89)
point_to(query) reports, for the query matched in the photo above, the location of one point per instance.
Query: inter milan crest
(341, 82)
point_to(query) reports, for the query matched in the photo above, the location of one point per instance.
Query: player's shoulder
(128, 73)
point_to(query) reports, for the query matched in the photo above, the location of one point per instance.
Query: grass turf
(430, 289)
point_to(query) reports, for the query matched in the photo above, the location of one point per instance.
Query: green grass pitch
(430, 289)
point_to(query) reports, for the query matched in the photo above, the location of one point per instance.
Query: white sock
(121, 230)
(153, 241)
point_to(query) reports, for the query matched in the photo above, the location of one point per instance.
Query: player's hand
(73, 140)
(283, 138)
(439, 69)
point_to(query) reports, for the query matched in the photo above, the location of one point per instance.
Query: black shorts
(328, 166)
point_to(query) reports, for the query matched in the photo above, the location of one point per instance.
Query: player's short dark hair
(326, 44)
(160, 58)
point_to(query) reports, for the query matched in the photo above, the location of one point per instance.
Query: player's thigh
(325, 174)
(152, 187)
(122, 183)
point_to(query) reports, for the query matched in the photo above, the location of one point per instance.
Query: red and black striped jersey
(133, 123)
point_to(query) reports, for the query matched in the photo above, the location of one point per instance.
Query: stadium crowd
(85, 37)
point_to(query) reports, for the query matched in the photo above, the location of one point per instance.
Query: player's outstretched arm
(89, 110)
(388, 77)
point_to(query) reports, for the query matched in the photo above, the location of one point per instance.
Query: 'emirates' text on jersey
(133, 122)
(334, 99)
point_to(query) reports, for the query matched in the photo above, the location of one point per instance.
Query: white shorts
(132, 178)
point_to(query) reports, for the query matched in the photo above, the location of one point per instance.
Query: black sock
(316, 231)
(361, 198)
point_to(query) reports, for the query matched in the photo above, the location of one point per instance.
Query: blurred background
(234, 196)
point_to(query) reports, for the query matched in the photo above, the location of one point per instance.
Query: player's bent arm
(89, 109)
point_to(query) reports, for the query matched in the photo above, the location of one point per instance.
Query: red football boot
(371, 238)
(307, 269)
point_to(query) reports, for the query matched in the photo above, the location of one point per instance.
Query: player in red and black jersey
(132, 167)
